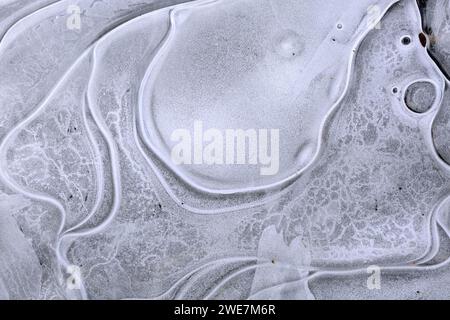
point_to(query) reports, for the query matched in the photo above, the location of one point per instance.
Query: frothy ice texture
(224, 149)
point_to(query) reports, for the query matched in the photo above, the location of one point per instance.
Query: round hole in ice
(420, 96)
(405, 40)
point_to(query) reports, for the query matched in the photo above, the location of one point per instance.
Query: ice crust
(92, 205)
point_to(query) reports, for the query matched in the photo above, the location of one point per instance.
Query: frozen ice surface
(224, 149)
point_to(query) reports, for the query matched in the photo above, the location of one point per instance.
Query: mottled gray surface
(346, 195)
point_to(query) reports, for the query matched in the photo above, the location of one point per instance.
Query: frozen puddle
(276, 81)
(224, 149)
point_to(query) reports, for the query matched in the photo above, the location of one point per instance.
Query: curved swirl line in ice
(433, 220)
(73, 232)
(9, 137)
(145, 92)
